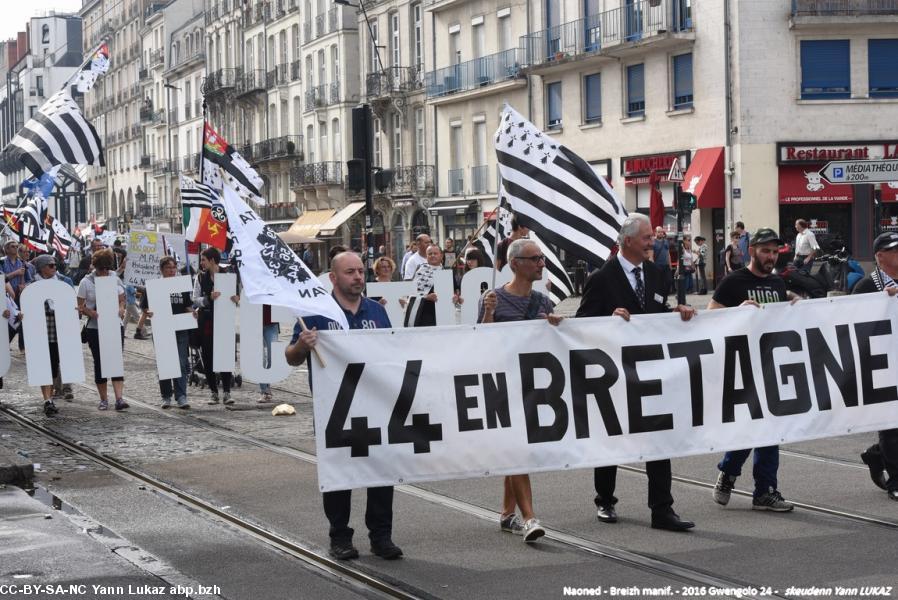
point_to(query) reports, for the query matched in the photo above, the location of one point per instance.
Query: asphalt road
(843, 534)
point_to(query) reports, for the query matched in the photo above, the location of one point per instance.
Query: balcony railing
(146, 114)
(480, 177)
(316, 97)
(601, 31)
(161, 167)
(152, 211)
(190, 163)
(334, 93)
(296, 71)
(474, 74)
(136, 130)
(846, 8)
(159, 116)
(456, 182)
(288, 146)
(417, 180)
(339, 19)
(394, 80)
(198, 55)
(283, 73)
(271, 79)
(221, 80)
(252, 81)
(321, 173)
(146, 161)
(157, 57)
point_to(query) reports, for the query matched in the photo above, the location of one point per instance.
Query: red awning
(803, 184)
(889, 193)
(704, 178)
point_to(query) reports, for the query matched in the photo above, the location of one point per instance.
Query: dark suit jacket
(608, 289)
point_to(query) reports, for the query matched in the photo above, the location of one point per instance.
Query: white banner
(406, 405)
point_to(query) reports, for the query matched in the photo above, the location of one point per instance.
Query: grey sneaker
(166, 403)
(226, 399)
(772, 500)
(533, 530)
(182, 402)
(723, 488)
(512, 524)
(214, 398)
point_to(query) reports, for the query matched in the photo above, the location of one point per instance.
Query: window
(310, 144)
(592, 98)
(309, 72)
(883, 68)
(295, 36)
(418, 49)
(478, 39)
(45, 34)
(335, 63)
(322, 145)
(397, 140)
(322, 68)
(338, 143)
(372, 50)
(394, 40)
(282, 40)
(419, 136)
(505, 37)
(553, 105)
(377, 144)
(825, 69)
(682, 81)
(454, 50)
(39, 84)
(297, 116)
(635, 90)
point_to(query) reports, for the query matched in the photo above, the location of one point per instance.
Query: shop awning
(290, 237)
(310, 222)
(451, 205)
(333, 224)
(704, 178)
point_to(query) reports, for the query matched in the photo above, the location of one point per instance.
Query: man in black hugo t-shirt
(753, 285)
(883, 455)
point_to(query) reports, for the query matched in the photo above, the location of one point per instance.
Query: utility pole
(361, 169)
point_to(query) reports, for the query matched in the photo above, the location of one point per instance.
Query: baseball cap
(885, 241)
(42, 261)
(764, 236)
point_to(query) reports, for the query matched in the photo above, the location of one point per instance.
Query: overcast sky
(16, 13)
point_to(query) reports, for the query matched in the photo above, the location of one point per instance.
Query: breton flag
(497, 229)
(270, 271)
(554, 192)
(235, 170)
(96, 66)
(28, 221)
(57, 134)
(204, 216)
(561, 286)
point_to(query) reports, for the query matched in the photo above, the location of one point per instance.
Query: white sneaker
(533, 530)
(512, 524)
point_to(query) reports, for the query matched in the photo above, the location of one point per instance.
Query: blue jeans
(179, 383)
(269, 334)
(766, 464)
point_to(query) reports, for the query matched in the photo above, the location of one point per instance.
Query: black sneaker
(343, 550)
(50, 408)
(873, 460)
(772, 500)
(387, 550)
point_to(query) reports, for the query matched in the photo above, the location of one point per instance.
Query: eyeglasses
(534, 259)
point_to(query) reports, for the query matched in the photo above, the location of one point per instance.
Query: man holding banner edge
(629, 283)
(347, 275)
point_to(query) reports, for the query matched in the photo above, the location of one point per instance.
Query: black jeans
(659, 475)
(206, 350)
(378, 516)
(93, 342)
(888, 449)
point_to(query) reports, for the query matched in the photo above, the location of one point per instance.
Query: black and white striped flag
(195, 194)
(561, 286)
(554, 192)
(57, 134)
(497, 229)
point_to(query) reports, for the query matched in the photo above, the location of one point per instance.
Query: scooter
(836, 272)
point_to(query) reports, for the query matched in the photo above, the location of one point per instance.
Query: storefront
(838, 214)
(636, 171)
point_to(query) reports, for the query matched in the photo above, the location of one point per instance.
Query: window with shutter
(636, 90)
(682, 76)
(883, 68)
(825, 69)
(592, 98)
(553, 105)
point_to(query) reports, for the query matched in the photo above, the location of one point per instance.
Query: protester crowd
(635, 280)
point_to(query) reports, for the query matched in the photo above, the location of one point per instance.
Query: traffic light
(383, 179)
(356, 172)
(363, 149)
(688, 201)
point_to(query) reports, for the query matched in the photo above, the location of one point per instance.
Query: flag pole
(6, 222)
(470, 242)
(321, 362)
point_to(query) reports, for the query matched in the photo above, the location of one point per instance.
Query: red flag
(656, 204)
(213, 227)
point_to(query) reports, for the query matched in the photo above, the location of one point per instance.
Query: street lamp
(377, 48)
